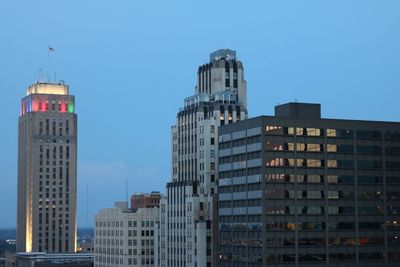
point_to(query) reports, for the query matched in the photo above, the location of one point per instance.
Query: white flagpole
(48, 64)
(49, 50)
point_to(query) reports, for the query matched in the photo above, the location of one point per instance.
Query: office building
(125, 237)
(47, 144)
(86, 246)
(296, 189)
(187, 236)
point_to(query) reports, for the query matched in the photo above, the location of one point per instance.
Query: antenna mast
(87, 206)
(126, 190)
(40, 74)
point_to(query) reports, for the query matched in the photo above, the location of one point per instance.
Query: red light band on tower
(35, 105)
(63, 107)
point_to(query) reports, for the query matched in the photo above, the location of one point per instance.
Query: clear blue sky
(130, 64)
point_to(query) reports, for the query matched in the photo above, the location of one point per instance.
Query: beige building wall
(125, 237)
(46, 217)
(187, 233)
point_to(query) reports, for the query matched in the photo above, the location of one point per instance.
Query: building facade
(145, 200)
(187, 236)
(42, 259)
(299, 190)
(125, 237)
(47, 149)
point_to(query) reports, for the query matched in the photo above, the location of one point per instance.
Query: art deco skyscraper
(47, 145)
(187, 236)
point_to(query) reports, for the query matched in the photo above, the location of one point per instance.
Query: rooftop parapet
(223, 53)
(48, 88)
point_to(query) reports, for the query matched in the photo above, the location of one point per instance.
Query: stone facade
(125, 237)
(47, 149)
(187, 234)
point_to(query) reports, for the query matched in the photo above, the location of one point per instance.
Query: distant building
(47, 149)
(42, 259)
(188, 232)
(86, 246)
(145, 200)
(125, 237)
(10, 259)
(299, 190)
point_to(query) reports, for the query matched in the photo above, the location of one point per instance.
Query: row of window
(297, 194)
(332, 257)
(317, 226)
(101, 233)
(302, 242)
(239, 147)
(331, 163)
(331, 179)
(241, 259)
(53, 150)
(60, 221)
(273, 144)
(343, 210)
(310, 210)
(46, 202)
(337, 194)
(100, 223)
(46, 246)
(62, 128)
(120, 251)
(254, 221)
(104, 261)
(341, 133)
(333, 148)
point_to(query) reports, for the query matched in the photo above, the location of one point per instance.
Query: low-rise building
(125, 237)
(43, 259)
(86, 246)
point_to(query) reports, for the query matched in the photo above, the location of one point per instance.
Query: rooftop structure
(145, 200)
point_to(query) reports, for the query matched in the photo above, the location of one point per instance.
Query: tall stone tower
(188, 225)
(47, 149)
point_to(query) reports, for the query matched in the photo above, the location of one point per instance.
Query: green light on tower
(71, 107)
